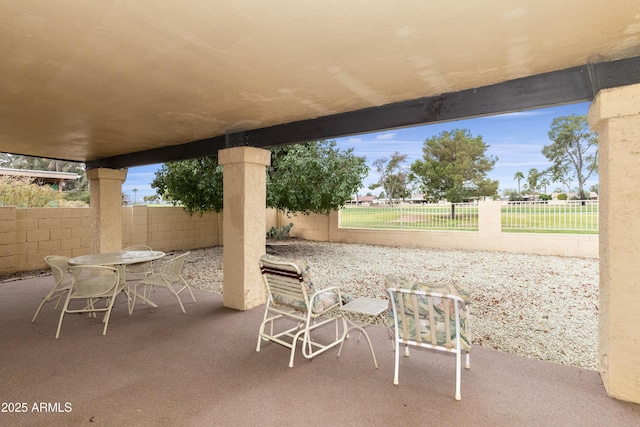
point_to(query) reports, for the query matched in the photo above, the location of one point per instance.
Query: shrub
(515, 196)
(281, 233)
(545, 197)
(77, 195)
(562, 196)
(21, 193)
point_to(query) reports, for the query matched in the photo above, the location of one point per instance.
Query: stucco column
(615, 114)
(244, 219)
(106, 209)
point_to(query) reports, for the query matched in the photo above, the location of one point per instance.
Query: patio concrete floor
(161, 367)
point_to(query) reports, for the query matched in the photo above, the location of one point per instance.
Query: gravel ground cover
(544, 307)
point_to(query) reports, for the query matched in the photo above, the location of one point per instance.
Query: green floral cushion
(321, 302)
(407, 321)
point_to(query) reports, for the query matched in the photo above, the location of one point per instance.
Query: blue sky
(516, 139)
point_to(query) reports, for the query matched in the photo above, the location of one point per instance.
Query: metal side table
(367, 310)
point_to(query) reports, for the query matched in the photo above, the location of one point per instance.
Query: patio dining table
(119, 260)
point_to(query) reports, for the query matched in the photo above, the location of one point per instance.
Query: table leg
(362, 332)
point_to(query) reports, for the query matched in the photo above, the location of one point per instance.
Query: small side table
(367, 308)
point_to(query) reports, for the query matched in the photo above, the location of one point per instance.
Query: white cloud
(386, 136)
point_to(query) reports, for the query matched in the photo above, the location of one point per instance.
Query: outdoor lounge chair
(294, 309)
(430, 316)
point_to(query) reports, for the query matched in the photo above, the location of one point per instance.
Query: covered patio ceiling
(126, 83)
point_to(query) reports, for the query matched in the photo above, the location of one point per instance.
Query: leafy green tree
(533, 179)
(544, 182)
(150, 199)
(393, 176)
(194, 183)
(573, 150)
(309, 177)
(454, 167)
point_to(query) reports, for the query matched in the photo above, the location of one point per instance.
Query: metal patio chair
(294, 309)
(60, 271)
(424, 317)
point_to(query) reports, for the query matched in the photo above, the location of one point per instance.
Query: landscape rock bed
(544, 307)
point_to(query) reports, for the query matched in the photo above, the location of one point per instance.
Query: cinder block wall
(28, 235)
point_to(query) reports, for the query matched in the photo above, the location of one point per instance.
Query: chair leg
(458, 359)
(293, 347)
(262, 326)
(185, 285)
(397, 359)
(64, 310)
(107, 315)
(39, 308)
(48, 298)
(173, 291)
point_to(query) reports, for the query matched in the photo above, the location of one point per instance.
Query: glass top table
(117, 258)
(120, 260)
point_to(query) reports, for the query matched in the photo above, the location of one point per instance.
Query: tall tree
(519, 176)
(393, 176)
(533, 178)
(454, 167)
(573, 151)
(310, 177)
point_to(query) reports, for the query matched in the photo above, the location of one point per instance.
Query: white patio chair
(140, 270)
(423, 317)
(92, 283)
(60, 270)
(292, 299)
(168, 275)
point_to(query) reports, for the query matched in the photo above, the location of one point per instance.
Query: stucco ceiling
(85, 80)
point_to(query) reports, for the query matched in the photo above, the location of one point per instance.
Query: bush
(515, 196)
(21, 193)
(545, 197)
(562, 196)
(281, 233)
(77, 196)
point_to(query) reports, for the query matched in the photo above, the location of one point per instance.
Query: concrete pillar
(615, 114)
(244, 218)
(106, 209)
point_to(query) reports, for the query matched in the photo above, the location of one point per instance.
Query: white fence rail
(438, 216)
(558, 216)
(571, 216)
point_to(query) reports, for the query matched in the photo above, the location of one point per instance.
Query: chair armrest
(334, 289)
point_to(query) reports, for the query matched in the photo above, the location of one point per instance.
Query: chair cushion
(423, 314)
(321, 302)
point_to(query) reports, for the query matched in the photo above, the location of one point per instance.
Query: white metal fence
(559, 216)
(438, 216)
(571, 216)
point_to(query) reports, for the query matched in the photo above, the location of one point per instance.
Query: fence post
(489, 217)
